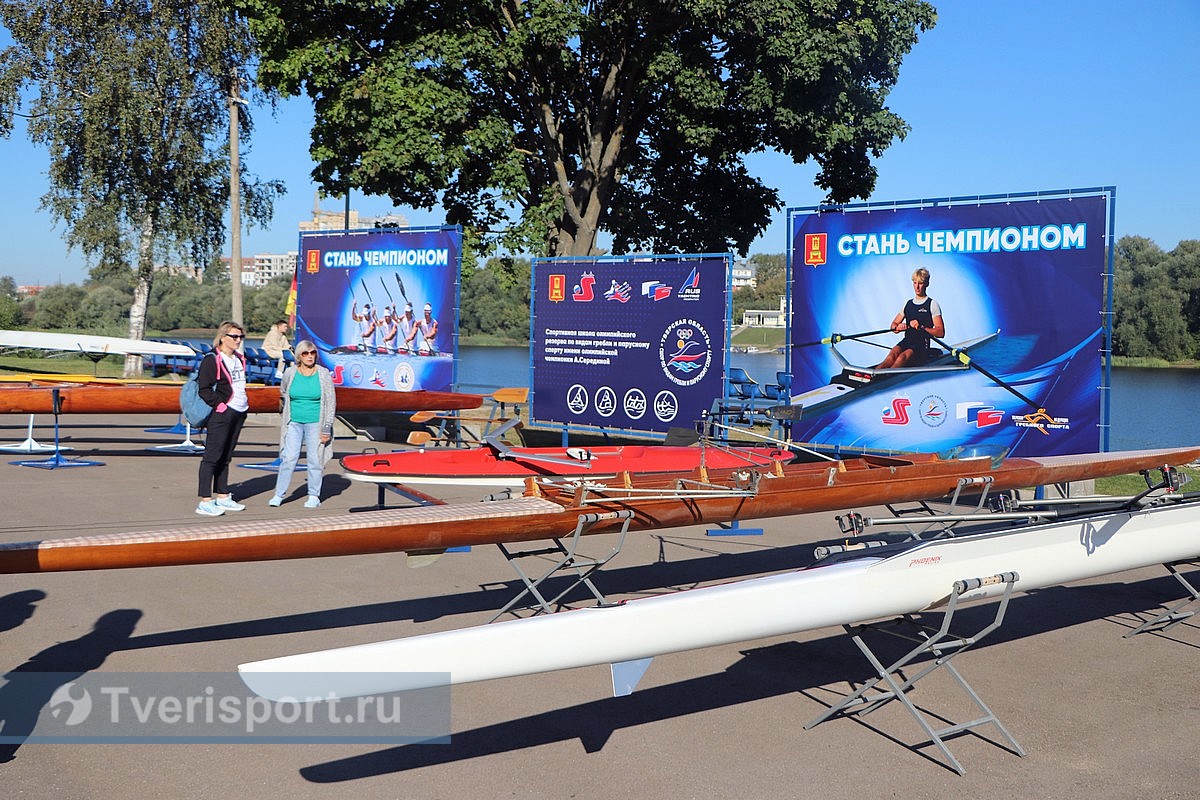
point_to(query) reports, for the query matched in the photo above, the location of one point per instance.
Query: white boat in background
(86, 343)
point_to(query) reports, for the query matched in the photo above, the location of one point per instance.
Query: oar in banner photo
(966, 360)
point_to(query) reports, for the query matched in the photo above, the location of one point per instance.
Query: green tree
(539, 123)
(770, 279)
(130, 98)
(105, 308)
(495, 299)
(59, 307)
(1182, 266)
(1148, 305)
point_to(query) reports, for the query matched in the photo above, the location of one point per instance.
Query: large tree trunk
(141, 295)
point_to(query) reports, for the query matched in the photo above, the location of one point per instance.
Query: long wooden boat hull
(511, 467)
(94, 397)
(551, 510)
(915, 579)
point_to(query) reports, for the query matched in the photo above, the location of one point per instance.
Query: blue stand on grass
(57, 460)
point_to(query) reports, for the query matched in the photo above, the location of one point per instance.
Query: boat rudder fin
(627, 674)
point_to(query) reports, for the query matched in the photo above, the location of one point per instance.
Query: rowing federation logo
(933, 411)
(685, 352)
(978, 415)
(577, 399)
(690, 290)
(606, 401)
(1042, 422)
(635, 404)
(656, 291)
(558, 288)
(405, 377)
(666, 406)
(816, 249)
(897, 414)
(585, 290)
(621, 292)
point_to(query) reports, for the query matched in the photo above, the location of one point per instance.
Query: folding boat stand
(941, 646)
(567, 559)
(186, 446)
(55, 461)
(30, 445)
(1174, 614)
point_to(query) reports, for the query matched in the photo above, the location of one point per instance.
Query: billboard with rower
(957, 322)
(381, 305)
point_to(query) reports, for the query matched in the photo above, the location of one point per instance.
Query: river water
(1149, 406)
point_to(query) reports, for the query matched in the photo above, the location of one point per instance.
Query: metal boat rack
(566, 558)
(1174, 614)
(937, 644)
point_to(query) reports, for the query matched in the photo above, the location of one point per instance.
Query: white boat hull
(78, 342)
(852, 591)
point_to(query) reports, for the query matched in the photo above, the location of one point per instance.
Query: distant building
(766, 318)
(29, 291)
(337, 220)
(258, 270)
(744, 274)
(268, 266)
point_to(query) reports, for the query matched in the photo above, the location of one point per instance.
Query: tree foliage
(538, 123)
(770, 284)
(495, 300)
(1154, 299)
(130, 97)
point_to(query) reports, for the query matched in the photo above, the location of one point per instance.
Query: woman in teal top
(307, 417)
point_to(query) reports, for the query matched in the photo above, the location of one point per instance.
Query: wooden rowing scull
(551, 509)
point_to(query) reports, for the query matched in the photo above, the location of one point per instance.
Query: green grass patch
(1124, 485)
(108, 367)
(767, 338)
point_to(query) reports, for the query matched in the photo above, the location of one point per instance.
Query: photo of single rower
(920, 318)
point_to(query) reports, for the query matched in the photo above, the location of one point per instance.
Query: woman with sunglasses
(222, 379)
(307, 417)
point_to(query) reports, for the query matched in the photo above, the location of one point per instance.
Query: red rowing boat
(501, 467)
(119, 397)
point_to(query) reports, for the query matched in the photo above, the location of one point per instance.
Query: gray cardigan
(328, 409)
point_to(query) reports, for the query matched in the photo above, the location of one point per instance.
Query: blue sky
(1002, 96)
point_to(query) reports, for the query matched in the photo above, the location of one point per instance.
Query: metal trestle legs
(1174, 614)
(566, 558)
(941, 646)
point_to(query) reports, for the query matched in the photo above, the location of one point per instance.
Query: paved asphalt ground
(1099, 716)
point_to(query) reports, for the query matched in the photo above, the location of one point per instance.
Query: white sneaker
(228, 504)
(209, 508)
(312, 502)
(275, 501)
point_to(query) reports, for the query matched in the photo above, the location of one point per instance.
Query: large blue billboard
(382, 305)
(933, 325)
(633, 343)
